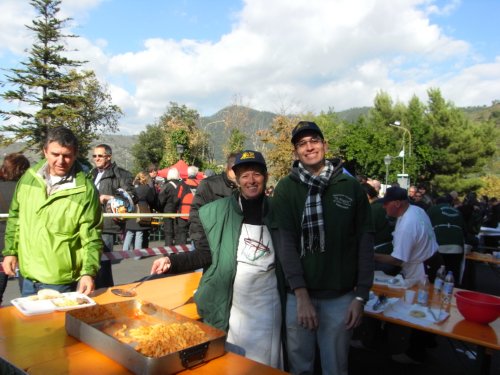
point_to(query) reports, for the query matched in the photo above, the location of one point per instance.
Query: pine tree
(49, 91)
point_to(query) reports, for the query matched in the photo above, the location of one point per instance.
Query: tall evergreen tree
(49, 91)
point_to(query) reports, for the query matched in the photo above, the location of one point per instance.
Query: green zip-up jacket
(347, 262)
(57, 237)
(222, 221)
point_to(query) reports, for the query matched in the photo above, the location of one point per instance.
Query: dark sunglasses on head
(99, 156)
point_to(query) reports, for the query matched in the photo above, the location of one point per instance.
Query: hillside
(254, 120)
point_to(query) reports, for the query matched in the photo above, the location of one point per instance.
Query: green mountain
(250, 121)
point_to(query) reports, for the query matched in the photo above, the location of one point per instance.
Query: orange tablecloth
(39, 344)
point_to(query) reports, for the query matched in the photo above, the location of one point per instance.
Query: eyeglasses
(99, 156)
(313, 141)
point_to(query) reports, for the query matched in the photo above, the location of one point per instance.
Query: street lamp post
(397, 124)
(180, 150)
(387, 162)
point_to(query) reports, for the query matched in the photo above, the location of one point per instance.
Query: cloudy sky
(275, 55)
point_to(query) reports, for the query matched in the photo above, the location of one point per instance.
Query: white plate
(80, 300)
(28, 306)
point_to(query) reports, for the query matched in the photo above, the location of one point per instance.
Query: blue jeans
(30, 288)
(331, 336)
(136, 236)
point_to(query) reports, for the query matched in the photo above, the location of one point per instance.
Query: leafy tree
(278, 148)
(235, 119)
(459, 146)
(149, 147)
(57, 93)
(180, 127)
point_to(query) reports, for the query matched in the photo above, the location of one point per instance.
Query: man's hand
(354, 314)
(306, 313)
(9, 265)
(86, 285)
(161, 265)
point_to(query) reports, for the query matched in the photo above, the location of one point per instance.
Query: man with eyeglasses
(325, 246)
(108, 178)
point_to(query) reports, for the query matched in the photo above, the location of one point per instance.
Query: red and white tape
(147, 252)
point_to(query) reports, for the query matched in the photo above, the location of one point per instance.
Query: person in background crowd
(426, 198)
(411, 193)
(384, 226)
(417, 201)
(323, 222)
(210, 189)
(492, 216)
(414, 241)
(456, 200)
(108, 178)
(168, 203)
(153, 174)
(135, 231)
(239, 291)
(186, 193)
(155, 182)
(449, 228)
(270, 191)
(55, 220)
(13, 167)
(376, 184)
(473, 218)
(209, 173)
(415, 251)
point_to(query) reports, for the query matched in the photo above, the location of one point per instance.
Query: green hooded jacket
(57, 237)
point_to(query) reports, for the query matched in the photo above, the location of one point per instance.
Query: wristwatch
(360, 299)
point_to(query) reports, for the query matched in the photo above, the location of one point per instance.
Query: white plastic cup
(410, 296)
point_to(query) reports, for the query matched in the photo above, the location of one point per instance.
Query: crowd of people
(287, 269)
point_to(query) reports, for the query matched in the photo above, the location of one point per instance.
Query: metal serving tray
(95, 326)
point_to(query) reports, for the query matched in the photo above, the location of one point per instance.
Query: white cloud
(306, 55)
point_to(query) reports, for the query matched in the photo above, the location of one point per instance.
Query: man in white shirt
(414, 240)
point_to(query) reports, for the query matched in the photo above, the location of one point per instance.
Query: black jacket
(114, 178)
(144, 193)
(209, 190)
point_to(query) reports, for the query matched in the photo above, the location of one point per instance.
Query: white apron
(255, 317)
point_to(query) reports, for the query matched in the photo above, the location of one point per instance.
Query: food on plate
(417, 314)
(161, 339)
(48, 294)
(67, 302)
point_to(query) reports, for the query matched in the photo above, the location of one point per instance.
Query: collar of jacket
(337, 170)
(228, 182)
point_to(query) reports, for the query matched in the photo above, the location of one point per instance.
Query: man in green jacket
(326, 250)
(54, 228)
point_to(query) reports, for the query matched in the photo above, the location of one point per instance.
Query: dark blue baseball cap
(249, 157)
(395, 193)
(305, 126)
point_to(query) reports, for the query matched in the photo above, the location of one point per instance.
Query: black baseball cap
(305, 126)
(249, 157)
(395, 193)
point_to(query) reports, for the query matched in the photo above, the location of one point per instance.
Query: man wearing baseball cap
(413, 241)
(325, 247)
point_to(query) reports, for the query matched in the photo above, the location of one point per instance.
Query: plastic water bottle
(423, 291)
(449, 284)
(439, 280)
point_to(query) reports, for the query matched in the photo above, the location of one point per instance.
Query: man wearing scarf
(325, 245)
